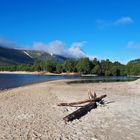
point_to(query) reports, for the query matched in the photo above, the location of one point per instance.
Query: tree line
(82, 66)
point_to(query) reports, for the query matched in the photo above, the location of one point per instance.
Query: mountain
(10, 56)
(41, 55)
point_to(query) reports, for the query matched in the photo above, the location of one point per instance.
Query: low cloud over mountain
(56, 47)
(59, 48)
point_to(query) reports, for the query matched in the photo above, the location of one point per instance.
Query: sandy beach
(39, 73)
(31, 112)
(27, 72)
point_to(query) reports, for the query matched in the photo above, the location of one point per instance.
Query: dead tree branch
(82, 102)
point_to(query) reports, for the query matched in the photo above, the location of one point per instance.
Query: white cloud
(59, 48)
(76, 51)
(132, 45)
(78, 44)
(121, 21)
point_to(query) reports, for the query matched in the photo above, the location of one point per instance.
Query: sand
(31, 112)
(40, 73)
(18, 72)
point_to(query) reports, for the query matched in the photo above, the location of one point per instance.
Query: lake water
(15, 80)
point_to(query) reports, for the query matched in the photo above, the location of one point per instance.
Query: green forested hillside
(136, 61)
(133, 67)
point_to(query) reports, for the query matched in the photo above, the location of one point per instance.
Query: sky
(106, 29)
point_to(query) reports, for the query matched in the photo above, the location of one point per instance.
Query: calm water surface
(15, 80)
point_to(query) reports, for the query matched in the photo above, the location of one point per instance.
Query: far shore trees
(82, 65)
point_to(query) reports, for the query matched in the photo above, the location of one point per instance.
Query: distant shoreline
(17, 72)
(38, 73)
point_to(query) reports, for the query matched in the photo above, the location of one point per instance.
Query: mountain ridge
(11, 56)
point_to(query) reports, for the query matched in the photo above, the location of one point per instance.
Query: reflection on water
(15, 80)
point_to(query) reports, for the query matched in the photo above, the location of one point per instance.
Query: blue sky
(101, 28)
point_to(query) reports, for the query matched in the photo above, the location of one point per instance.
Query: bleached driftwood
(82, 102)
(90, 95)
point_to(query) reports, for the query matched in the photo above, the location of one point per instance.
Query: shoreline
(32, 84)
(57, 74)
(27, 72)
(39, 73)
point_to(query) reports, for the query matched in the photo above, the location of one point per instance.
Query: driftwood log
(84, 109)
(82, 102)
(80, 112)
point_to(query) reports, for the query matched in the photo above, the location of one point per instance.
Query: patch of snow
(27, 54)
